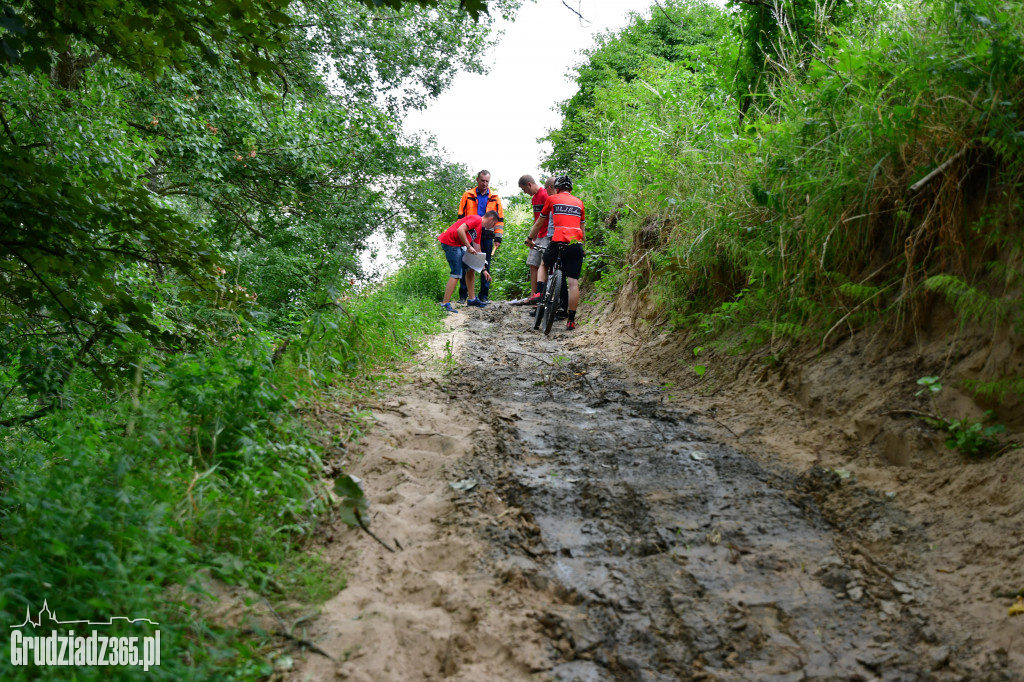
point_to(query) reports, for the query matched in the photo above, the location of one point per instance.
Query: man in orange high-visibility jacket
(567, 217)
(478, 201)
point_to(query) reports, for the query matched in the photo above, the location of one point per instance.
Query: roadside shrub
(422, 277)
(204, 464)
(878, 153)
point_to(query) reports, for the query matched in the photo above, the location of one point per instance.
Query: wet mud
(666, 555)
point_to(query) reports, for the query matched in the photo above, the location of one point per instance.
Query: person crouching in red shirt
(463, 236)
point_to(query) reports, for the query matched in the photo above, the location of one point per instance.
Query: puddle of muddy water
(669, 556)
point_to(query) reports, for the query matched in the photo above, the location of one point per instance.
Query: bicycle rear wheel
(555, 282)
(546, 301)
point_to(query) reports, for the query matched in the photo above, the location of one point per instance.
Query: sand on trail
(909, 540)
(433, 609)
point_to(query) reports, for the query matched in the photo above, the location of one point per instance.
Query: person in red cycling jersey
(568, 218)
(538, 196)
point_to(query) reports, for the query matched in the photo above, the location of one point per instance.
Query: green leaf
(354, 504)
(12, 22)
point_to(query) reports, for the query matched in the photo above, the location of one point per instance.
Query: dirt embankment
(605, 526)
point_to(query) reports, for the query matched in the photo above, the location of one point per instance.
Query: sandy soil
(918, 537)
(432, 609)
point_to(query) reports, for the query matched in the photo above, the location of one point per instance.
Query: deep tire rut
(668, 555)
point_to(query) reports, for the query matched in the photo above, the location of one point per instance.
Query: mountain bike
(549, 303)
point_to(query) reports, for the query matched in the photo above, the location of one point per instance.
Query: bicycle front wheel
(555, 284)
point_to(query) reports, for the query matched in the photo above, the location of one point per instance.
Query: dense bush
(204, 463)
(186, 192)
(810, 177)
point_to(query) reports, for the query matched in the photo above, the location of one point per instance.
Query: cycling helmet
(563, 182)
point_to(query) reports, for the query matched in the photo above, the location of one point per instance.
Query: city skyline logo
(63, 646)
(53, 618)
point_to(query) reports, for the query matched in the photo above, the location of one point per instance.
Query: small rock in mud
(874, 659)
(704, 638)
(563, 646)
(938, 657)
(583, 634)
(901, 588)
(827, 564)
(836, 578)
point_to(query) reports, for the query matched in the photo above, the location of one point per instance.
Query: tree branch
(86, 349)
(26, 418)
(362, 524)
(916, 187)
(576, 12)
(676, 23)
(242, 220)
(10, 134)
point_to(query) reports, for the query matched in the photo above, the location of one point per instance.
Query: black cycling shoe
(561, 314)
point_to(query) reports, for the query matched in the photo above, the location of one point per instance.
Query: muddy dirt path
(610, 536)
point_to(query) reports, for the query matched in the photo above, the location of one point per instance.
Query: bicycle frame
(547, 305)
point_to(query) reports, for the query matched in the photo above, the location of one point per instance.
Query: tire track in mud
(669, 556)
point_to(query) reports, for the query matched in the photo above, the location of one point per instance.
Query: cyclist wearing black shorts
(567, 214)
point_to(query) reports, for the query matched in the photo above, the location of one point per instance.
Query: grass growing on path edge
(210, 464)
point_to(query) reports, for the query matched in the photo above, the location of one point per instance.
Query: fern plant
(859, 292)
(970, 302)
(996, 390)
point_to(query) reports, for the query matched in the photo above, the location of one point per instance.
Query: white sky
(492, 122)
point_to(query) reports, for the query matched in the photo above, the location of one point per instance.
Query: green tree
(683, 32)
(769, 29)
(162, 164)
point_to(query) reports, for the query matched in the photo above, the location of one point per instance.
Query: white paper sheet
(477, 261)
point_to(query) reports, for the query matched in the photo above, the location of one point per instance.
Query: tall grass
(206, 465)
(814, 213)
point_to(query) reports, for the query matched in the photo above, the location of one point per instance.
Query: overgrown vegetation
(187, 191)
(795, 170)
(210, 460)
